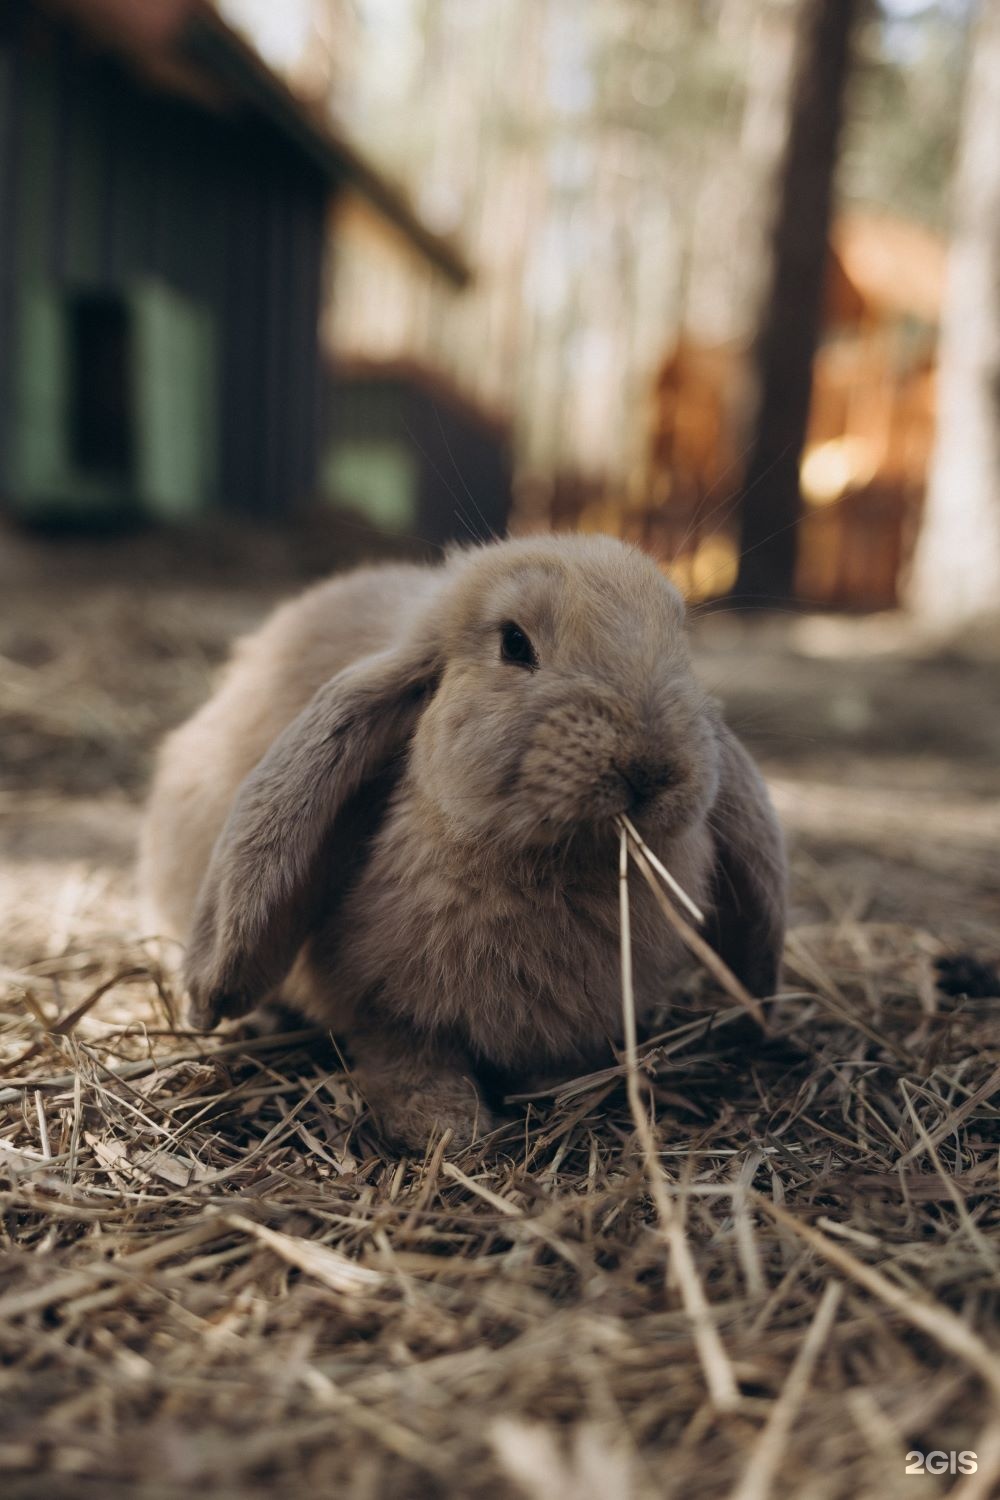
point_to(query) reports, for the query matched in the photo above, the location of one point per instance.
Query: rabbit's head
(541, 689)
(565, 697)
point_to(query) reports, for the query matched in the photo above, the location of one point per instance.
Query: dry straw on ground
(215, 1279)
(741, 1262)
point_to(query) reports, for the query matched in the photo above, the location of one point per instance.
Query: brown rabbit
(397, 814)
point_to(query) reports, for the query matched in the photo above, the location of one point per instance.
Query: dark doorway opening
(101, 420)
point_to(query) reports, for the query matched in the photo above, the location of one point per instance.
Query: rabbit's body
(521, 962)
(397, 813)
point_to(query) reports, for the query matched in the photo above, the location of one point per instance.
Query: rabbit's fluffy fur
(384, 820)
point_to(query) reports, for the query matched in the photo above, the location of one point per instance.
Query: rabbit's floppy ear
(750, 877)
(267, 879)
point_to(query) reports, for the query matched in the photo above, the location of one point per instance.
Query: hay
(214, 1277)
(734, 1264)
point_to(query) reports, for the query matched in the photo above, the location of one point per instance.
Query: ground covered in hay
(214, 1281)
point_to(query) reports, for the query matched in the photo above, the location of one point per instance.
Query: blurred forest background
(716, 275)
(624, 178)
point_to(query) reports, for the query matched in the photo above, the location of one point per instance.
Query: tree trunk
(956, 569)
(789, 325)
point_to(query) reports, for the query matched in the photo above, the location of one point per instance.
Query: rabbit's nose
(644, 780)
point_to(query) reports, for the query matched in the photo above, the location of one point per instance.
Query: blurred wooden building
(870, 429)
(413, 455)
(165, 211)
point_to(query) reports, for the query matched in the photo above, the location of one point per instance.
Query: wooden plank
(39, 448)
(35, 148)
(275, 392)
(241, 423)
(313, 364)
(117, 127)
(9, 114)
(85, 164)
(174, 355)
(302, 338)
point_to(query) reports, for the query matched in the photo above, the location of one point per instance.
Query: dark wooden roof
(186, 47)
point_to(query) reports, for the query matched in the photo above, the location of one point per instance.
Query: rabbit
(397, 815)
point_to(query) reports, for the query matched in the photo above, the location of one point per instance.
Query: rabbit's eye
(516, 648)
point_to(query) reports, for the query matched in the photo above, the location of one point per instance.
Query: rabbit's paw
(420, 1112)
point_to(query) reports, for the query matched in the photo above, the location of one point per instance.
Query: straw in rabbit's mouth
(633, 834)
(719, 1375)
(657, 876)
(716, 1365)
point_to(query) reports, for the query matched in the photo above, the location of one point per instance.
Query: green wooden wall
(209, 230)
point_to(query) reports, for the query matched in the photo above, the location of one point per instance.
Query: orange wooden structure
(870, 430)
